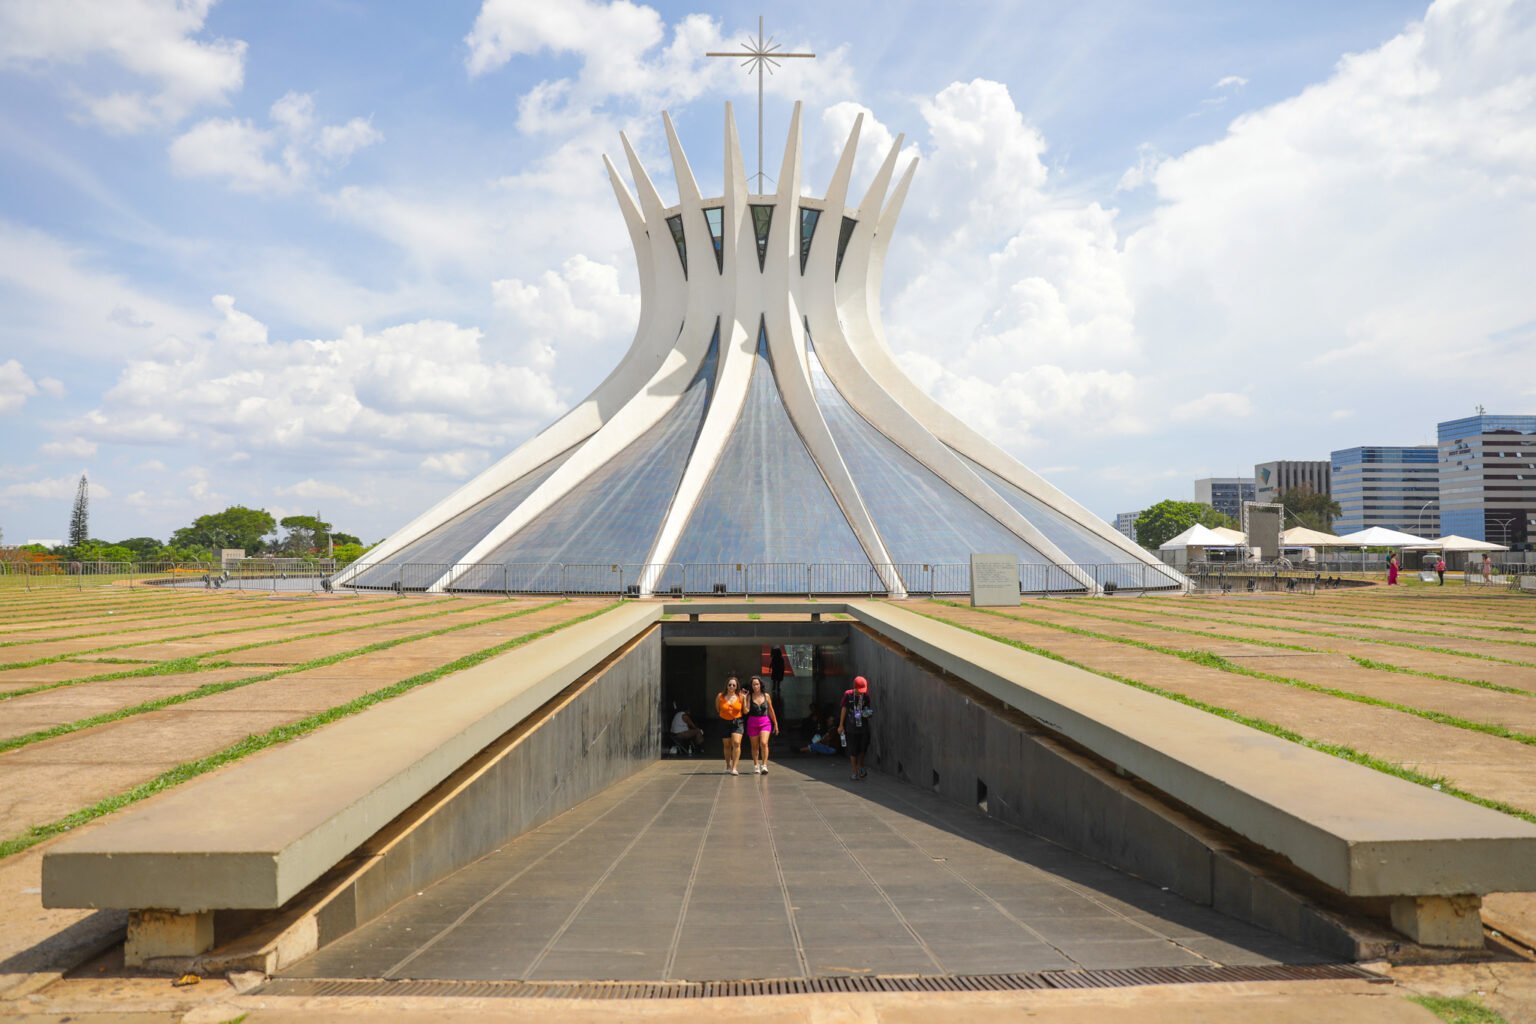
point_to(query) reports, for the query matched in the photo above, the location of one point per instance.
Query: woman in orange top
(730, 705)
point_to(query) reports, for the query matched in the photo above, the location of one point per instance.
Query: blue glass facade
(766, 501)
(919, 516)
(452, 541)
(613, 515)
(1075, 542)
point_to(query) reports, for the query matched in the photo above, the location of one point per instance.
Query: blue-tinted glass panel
(614, 514)
(920, 517)
(762, 221)
(844, 235)
(808, 219)
(1080, 545)
(452, 540)
(714, 218)
(766, 501)
(675, 224)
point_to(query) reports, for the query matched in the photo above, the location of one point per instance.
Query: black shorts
(735, 725)
(858, 741)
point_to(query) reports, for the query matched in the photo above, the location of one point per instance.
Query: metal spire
(764, 53)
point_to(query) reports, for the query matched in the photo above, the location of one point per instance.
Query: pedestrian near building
(731, 708)
(853, 725)
(1487, 569)
(1392, 570)
(761, 722)
(1440, 569)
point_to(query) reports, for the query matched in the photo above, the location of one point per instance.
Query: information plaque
(994, 581)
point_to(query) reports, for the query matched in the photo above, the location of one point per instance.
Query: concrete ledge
(1358, 831)
(255, 835)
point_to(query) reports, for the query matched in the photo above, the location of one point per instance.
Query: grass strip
(1482, 684)
(245, 647)
(278, 734)
(1355, 639)
(1209, 659)
(1371, 626)
(137, 623)
(1437, 782)
(1063, 606)
(1459, 1010)
(198, 662)
(208, 689)
(1362, 662)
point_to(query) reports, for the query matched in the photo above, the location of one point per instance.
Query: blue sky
(338, 256)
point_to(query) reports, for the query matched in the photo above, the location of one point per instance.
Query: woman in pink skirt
(761, 722)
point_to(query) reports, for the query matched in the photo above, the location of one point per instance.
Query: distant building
(1488, 478)
(1225, 493)
(1273, 479)
(1125, 522)
(1394, 487)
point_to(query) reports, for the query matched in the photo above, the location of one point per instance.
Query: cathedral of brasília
(758, 436)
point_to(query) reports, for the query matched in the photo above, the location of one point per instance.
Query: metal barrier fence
(1235, 578)
(30, 576)
(743, 579)
(738, 579)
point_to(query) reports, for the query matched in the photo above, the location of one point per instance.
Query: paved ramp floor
(682, 873)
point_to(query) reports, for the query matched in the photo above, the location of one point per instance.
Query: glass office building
(1488, 479)
(1394, 487)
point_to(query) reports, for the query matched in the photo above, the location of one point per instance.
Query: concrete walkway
(684, 873)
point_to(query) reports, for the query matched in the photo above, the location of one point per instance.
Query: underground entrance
(682, 873)
(519, 824)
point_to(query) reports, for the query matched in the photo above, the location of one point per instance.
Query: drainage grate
(1111, 978)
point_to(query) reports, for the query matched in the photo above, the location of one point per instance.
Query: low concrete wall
(598, 731)
(939, 732)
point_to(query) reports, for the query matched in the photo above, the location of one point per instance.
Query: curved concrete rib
(733, 373)
(945, 425)
(786, 348)
(679, 353)
(573, 428)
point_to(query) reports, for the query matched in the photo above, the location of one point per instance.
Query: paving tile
(983, 897)
(1090, 929)
(1135, 953)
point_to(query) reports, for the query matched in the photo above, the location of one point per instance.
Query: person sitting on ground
(823, 733)
(685, 731)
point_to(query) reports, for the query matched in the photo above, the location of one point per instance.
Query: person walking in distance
(731, 706)
(761, 721)
(853, 724)
(1440, 569)
(1487, 569)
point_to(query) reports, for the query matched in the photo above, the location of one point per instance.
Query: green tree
(1308, 508)
(145, 549)
(80, 515)
(346, 538)
(235, 527)
(349, 553)
(1167, 519)
(304, 534)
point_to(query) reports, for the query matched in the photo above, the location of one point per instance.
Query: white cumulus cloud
(15, 386)
(279, 158)
(152, 43)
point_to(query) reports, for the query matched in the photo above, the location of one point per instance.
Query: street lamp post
(1420, 529)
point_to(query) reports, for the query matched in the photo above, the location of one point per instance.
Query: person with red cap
(853, 724)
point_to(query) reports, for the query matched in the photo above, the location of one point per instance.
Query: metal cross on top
(764, 53)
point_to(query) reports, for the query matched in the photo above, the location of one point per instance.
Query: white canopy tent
(1301, 537)
(1381, 537)
(1454, 543)
(1198, 536)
